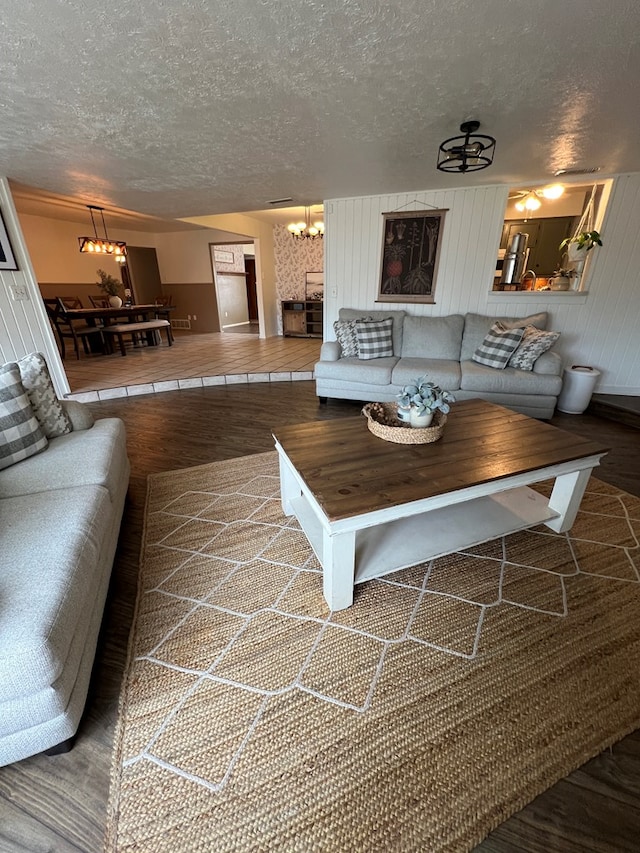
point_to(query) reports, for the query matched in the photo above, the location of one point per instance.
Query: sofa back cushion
(476, 327)
(432, 337)
(361, 313)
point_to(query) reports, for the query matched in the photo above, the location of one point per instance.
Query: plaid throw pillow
(534, 343)
(20, 433)
(375, 338)
(498, 346)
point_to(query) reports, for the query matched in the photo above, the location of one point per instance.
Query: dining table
(134, 313)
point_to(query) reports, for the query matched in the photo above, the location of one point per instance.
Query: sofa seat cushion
(476, 327)
(85, 457)
(437, 337)
(51, 542)
(373, 372)
(397, 317)
(444, 372)
(477, 377)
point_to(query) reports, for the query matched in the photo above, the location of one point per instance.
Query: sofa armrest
(330, 351)
(549, 363)
(79, 415)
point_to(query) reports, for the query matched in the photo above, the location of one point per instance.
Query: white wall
(24, 326)
(54, 250)
(599, 327)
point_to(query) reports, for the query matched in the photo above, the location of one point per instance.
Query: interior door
(142, 263)
(252, 294)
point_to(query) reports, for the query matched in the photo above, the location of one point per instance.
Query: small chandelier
(305, 230)
(531, 200)
(468, 153)
(102, 245)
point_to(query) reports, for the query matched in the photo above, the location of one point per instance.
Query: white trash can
(577, 387)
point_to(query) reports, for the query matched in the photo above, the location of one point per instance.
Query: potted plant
(582, 240)
(418, 401)
(561, 279)
(110, 286)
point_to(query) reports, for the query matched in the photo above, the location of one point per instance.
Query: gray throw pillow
(534, 343)
(20, 433)
(498, 346)
(49, 411)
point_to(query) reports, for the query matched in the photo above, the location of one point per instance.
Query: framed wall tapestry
(7, 259)
(411, 244)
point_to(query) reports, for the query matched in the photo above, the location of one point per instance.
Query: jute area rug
(442, 702)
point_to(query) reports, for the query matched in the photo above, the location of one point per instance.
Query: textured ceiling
(178, 108)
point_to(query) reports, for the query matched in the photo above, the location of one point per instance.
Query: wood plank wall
(598, 327)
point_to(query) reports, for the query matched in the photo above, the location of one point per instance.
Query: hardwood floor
(59, 803)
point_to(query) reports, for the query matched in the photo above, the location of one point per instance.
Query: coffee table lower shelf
(403, 542)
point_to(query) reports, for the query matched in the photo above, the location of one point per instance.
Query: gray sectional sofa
(60, 513)
(441, 348)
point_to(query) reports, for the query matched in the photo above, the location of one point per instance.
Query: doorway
(235, 279)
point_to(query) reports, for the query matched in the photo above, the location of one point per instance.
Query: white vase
(421, 420)
(115, 302)
(404, 414)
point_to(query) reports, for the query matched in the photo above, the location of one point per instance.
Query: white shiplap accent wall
(24, 326)
(600, 327)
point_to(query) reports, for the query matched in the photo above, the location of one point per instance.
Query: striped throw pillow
(498, 346)
(20, 433)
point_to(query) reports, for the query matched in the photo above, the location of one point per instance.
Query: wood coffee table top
(350, 471)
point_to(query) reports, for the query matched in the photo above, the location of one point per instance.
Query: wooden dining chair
(163, 300)
(71, 328)
(99, 301)
(70, 301)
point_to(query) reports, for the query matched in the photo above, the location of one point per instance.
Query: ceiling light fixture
(306, 230)
(102, 245)
(531, 199)
(468, 153)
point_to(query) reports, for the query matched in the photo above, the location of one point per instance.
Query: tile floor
(216, 358)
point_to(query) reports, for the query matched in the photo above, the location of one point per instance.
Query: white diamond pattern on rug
(233, 602)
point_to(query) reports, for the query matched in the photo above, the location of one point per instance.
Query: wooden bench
(149, 327)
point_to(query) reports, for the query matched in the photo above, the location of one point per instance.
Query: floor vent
(180, 324)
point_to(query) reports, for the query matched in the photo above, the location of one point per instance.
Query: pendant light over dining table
(102, 245)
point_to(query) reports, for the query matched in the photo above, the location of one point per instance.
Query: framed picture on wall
(7, 258)
(411, 244)
(314, 285)
(222, 256)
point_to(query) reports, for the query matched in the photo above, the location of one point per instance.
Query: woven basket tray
(382, 420)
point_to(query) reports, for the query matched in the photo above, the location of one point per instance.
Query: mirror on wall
(536, 222)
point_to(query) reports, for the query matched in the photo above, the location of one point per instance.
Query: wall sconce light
(102, 245)
(468, 153)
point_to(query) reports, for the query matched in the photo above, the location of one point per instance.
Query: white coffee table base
(355, 549)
